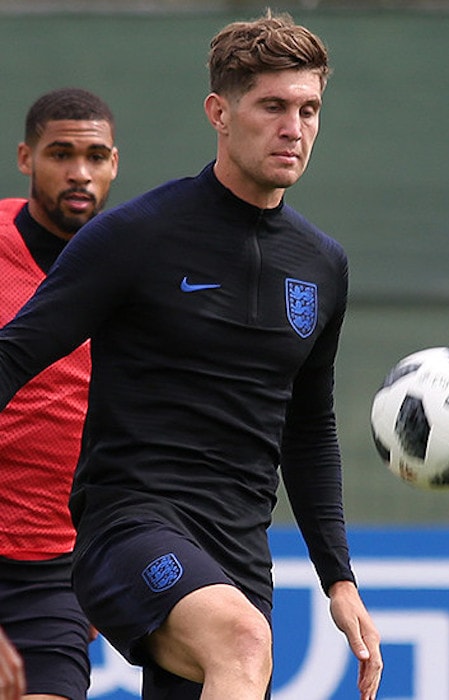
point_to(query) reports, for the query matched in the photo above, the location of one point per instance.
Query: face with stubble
(72, 166)
(266, 135)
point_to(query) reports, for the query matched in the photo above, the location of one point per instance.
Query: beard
(65, 222)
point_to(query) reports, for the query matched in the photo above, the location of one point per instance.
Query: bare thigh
(211, 627)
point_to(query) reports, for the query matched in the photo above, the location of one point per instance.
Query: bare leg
(215, 636)
(42, 696)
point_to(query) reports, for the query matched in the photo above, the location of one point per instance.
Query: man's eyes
(273, 107)
(59, 155)
(66, 155)
(308, 111)
(98, 157)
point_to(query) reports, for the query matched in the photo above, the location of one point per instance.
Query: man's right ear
(24, 159)
(217, 111)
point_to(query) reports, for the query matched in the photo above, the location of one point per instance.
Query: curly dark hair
(65, 103)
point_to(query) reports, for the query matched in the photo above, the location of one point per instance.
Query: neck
(249, 191)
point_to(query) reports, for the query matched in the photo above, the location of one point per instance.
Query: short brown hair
(242, 50)
(65, 103)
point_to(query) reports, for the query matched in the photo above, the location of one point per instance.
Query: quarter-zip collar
(234, 203)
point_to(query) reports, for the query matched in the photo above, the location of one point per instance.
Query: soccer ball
(410, 419)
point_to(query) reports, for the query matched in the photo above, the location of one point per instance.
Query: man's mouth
(78, 202)
(287, 156)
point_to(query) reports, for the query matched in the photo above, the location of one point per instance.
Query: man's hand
(353, 619)
(12, 677)
(93, 634)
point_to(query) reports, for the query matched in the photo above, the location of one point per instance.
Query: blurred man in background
(71, 160)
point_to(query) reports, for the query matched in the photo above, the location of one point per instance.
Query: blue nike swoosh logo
(187, 287)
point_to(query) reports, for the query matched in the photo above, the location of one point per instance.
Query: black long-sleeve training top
(214, 327)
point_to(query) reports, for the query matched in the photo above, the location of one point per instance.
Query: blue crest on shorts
(162, 573)
(301, 300)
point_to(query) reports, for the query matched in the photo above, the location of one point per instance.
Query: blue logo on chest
(162, 573)
(301, 299)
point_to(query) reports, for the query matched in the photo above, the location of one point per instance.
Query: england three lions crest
(301, 299)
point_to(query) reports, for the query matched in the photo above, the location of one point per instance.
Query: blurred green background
(377, 182)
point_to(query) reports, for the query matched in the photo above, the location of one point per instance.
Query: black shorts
(132, 575)
(45, 622)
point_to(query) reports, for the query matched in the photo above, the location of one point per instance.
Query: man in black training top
(214, 312)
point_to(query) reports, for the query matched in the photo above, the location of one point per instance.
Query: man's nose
(292, 126)
(79, 171)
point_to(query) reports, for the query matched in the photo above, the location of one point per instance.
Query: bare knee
(247, 639)
(215, 634)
